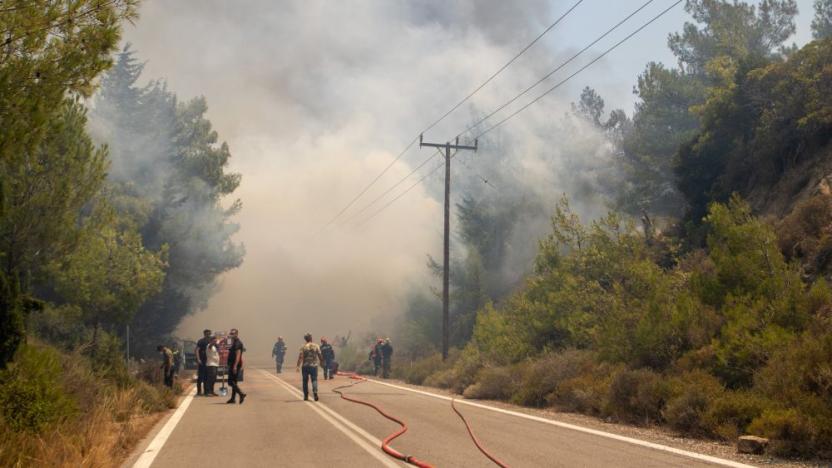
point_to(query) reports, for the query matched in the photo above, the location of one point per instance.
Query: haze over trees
(108, 217)
(701, 300)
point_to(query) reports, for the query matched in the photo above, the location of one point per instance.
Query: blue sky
(615, 77)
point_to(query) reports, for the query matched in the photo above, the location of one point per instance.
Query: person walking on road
(386, 357)
(167, 365)
(212, 363)
(201, 370)
(278, 353)
(310, 357)
(328, 355)
(235, 365)
(375, 356)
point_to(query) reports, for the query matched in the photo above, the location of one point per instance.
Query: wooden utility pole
(447, 240)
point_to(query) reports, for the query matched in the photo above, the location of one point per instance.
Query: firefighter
(278, 353)
(202, 369)
(167, 364)
(235, 365)
(386, 356)
(375, 356)
(329, 358)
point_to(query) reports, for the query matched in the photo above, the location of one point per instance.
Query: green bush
(730, 414)
(790, 432)
(416, 372)
(586, 393)
(495, 383)
(694, 394)
(458, 372)
(542, 375)
(32, 396)
(638, 396)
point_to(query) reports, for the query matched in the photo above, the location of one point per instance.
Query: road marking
(149, 454)
(608, 435)
(344, 425)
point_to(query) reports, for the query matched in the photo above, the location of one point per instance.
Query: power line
(391, 188)
(500, 70)
(446, 114)
(616, 45)
(364, 190)
(555, 70)
(386, 205)
(559, 84)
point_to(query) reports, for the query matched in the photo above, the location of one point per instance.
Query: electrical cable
(391, 188)
(616, 45)
(596, 59)
(385, 444)
(506, 65)
(377, 212)
(446, 114)
(555, 70)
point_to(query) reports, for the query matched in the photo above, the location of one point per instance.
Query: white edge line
(608, 435)
(331, 418)
(149, 454)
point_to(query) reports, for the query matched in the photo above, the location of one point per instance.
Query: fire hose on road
(385, 444)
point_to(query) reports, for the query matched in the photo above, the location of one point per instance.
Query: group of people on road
(382, 356)
(207, 355)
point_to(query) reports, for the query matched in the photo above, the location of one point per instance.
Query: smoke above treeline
(315, 98)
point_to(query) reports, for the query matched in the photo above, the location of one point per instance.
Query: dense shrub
(694, 393)
(730, 414)
(416, 372)
(495, 383)
(588, 392)
(32, 396)
(638, 396)
(464, 370)
(542, 375)
(790, 432)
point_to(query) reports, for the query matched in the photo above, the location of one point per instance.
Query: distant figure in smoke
(329, 357)
(375, 356)
(386, 356)
(310, 357)
(167, 364)
(278, 353)
(235, 365)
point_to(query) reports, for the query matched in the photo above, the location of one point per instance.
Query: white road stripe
(608, 435)
(149, 454)
(330, 416)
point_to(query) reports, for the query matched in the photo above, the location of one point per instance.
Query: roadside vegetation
(111, 215)
(701, 301)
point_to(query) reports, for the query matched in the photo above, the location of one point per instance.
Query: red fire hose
(385, 444)
(474, 437)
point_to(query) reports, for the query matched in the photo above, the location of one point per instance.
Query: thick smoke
(315, 98)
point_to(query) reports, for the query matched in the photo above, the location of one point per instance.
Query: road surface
(276, 428)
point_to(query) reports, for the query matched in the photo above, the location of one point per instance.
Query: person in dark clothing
(386, 357)
(329, 357)
(167, 365)
(375, 356)
(202, 369)
(235, 365)
(278, 353)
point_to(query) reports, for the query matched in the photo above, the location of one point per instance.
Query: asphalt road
(276, 428)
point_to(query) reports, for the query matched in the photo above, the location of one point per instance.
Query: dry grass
(100, 438)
